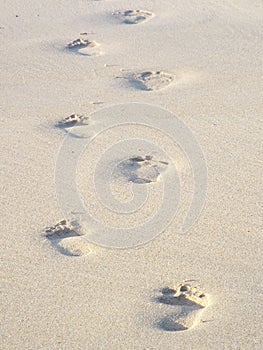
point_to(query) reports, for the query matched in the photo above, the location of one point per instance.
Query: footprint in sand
(133, 16)
(84, 46)
(189, 302)
(65, 236)
(142, 169)
(151, 81)
(73, 120)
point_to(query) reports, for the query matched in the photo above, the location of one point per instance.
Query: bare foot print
(133, 16)
(151, 81)
(65, 236)
(73, 120)
(84, 46)
(189, 303)
(142, 169)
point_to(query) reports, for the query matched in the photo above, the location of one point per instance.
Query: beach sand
(200, 61)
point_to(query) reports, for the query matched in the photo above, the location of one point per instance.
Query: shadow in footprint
(170, 324)
(73, 120)
(142, 169)
(67, 125)
(151, 81)
(189, 302)
(83, 46)
(133, 16)
(66, 238)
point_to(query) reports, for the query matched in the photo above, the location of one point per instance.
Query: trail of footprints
(67, 236)
(186, 302)
(147, 80)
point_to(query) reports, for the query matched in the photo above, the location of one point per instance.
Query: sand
(65, 66)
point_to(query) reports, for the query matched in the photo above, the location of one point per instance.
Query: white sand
(107, 298)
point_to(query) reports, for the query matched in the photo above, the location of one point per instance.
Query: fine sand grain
(62, 63)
